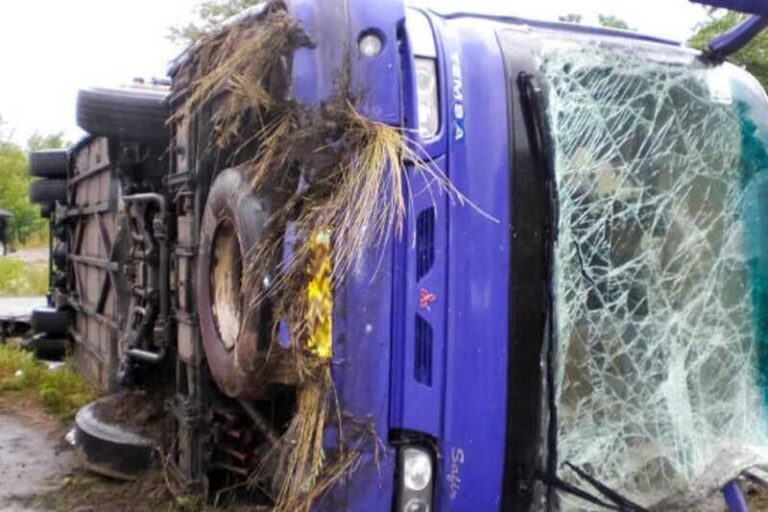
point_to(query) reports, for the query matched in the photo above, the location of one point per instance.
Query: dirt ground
(30, 461)
(40, 472)
(33, 458)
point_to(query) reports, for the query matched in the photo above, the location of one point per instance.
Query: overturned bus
(373, 257)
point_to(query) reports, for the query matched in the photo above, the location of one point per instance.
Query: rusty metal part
(260, 423)
(150, 248)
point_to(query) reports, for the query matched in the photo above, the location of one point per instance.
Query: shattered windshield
(660, 269)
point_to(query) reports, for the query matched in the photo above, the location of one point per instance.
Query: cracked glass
(660, 268)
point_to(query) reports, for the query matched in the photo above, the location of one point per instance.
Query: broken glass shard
(661, 267)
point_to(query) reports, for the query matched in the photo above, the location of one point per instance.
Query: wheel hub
(226, 274)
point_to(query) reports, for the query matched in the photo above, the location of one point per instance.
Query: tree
(37, 142)
(754, 56)
(571, 18)
(605, 20)
(14, 197)
(210, 14)
(610, 21)
(14, 191)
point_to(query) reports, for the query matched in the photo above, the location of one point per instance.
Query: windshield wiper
(621, 501)
(541, 146)
(609, 500)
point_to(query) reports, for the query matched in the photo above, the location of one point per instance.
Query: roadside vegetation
(26, 229)
(209, 15)
(26, 225)
(753, 57)
(23, 278)
(61, 391)
(88, 492)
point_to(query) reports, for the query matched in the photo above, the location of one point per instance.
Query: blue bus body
(424, 355)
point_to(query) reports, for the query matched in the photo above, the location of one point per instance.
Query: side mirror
(737, 38)
(756, 7)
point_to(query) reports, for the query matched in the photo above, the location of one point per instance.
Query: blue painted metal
(419, 406)
(463, 409)
(738, 37)
(375, 81)
(445, 11)
(742, 34)
(757, 7)
(474, 410)
(734, 497)
(362, 307)
(464, 412)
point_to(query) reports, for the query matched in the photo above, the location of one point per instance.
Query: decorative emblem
(426, 298)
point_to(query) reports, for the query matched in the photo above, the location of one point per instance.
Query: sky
(50, 48)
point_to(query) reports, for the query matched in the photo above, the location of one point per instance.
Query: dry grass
(300, 454)
(304, 469)
(361, 199)
(87, 492)
(757, 498)
(237, 64)
(354, 177)
(361, 196)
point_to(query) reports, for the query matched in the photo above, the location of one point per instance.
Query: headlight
(417, 469)
(417, 506)
(415, 486)
(427, 95)
(424, 50)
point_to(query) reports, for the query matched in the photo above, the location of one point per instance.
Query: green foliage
(23, 279)
(210, 14)
(62, 391)
(605, 20)
(14, 192)
(37, 141)
(754, 56)
(571, 18)
(609, 21)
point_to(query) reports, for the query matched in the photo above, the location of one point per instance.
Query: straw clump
(351, 184)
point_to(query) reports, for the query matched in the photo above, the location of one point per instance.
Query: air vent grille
(425, 242)
(423, 347)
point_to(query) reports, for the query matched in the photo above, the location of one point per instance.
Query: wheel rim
(226, 274)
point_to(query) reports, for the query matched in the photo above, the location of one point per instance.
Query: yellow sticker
(320, 296)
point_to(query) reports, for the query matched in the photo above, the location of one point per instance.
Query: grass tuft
(332, 171)
(22, 279)
(61, 392)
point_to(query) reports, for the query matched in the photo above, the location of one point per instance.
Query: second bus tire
(239, 363)
(47, 192)
(50, 321)
(51, 163)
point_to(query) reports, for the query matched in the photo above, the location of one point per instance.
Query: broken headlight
(424, 50)
(415, 481)
(428, 103)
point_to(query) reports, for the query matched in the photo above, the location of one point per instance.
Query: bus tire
(237, 348)
(50, 321)
(51, 163)
(48, 192)
(133, 114)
